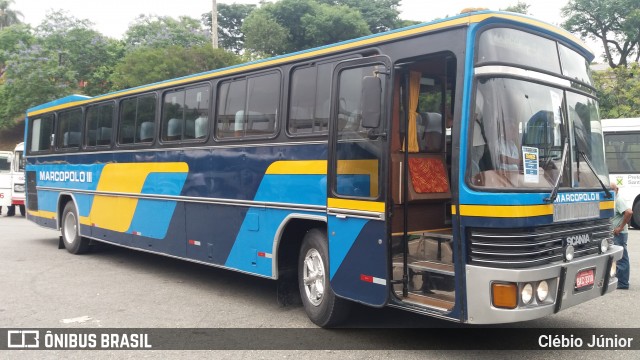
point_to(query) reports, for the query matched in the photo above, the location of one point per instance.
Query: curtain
(414, 94)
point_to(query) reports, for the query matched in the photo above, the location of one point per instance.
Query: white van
(17, 178)
(5, 179)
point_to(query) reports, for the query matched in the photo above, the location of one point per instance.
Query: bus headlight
(526, 294)
(542, 291)
(604, 245)
(568, 253)
(18, 187)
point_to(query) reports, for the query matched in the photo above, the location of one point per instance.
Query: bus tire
(69, 228)
(22, 210)
(635, 218)
(320, 302)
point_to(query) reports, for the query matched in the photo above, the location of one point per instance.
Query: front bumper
(479, 279)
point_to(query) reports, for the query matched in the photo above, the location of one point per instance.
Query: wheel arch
(63, 199)
(288, 240)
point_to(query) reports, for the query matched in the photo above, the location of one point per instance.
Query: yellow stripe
(42, 214)
(324, 51)
(115, 213)
(305, 167)
(454, 210)
(498, 211)
(606, 205)
(514, 211)
(319, 167)
(360, 205)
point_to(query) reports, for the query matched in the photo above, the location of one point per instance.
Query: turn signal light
(504, 295)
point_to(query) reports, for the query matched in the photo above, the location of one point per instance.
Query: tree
(287, 26)
(230, 20)
(164, 31)
(380, 15)
(8, 17)
(33, 76)
(264, 36)
(331, 24)
(615, 23)
(521, 7)
(146, 65)
(11, 38)
(619, 91)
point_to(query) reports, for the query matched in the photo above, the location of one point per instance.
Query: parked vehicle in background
(622, 147)
(5, 179)
(17, 178)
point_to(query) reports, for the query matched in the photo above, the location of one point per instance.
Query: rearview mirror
(371, 101)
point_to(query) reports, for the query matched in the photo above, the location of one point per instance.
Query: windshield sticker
(531, 164)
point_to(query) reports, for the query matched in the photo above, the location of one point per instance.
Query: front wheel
(70, 229)
(320, 302)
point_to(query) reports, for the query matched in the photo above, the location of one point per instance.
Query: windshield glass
(19, 159)
(517, 135)
(5, 165)
(587, 139)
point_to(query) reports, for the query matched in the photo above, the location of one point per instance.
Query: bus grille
(515, 248)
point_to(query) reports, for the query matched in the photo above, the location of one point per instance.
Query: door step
(427, 300)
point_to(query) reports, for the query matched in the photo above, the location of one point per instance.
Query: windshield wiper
(604, 187)
(554, 192)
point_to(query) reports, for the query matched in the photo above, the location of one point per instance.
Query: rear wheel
(320, 302)
(70, 229)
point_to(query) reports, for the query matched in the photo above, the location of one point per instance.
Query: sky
(112, 17)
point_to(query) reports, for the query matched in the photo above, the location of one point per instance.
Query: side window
(231, 102)
(185, 114)
(99, 125)
(41, 134)
(70, 129)
(137, 120)
(248, 107)
(309, 103)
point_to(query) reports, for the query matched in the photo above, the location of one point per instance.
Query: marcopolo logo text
(66, 176)
(577, 197)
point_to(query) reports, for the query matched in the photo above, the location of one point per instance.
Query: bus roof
(465, 19)
(622, 124)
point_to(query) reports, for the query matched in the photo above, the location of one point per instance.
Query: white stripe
(379, 281)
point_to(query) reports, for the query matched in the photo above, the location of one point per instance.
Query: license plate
(585, 279)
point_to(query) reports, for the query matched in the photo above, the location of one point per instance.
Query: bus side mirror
(371, 101)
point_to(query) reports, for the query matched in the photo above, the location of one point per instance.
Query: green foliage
(293, 25)
(11, 38)
(615, 23)
(86, 52)
(33, 76)
(619, 91)
(331, 24)
(230, 20)
(158, 32)
(380, 15)
(521, 7)
(152, 64)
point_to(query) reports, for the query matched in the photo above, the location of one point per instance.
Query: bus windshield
(522, 118)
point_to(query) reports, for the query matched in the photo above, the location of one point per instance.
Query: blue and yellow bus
(447, 168)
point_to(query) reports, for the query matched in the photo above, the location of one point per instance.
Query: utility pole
(214, 24)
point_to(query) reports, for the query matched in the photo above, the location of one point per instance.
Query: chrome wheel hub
(313, 277)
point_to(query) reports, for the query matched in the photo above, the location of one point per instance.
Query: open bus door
(356, 208)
